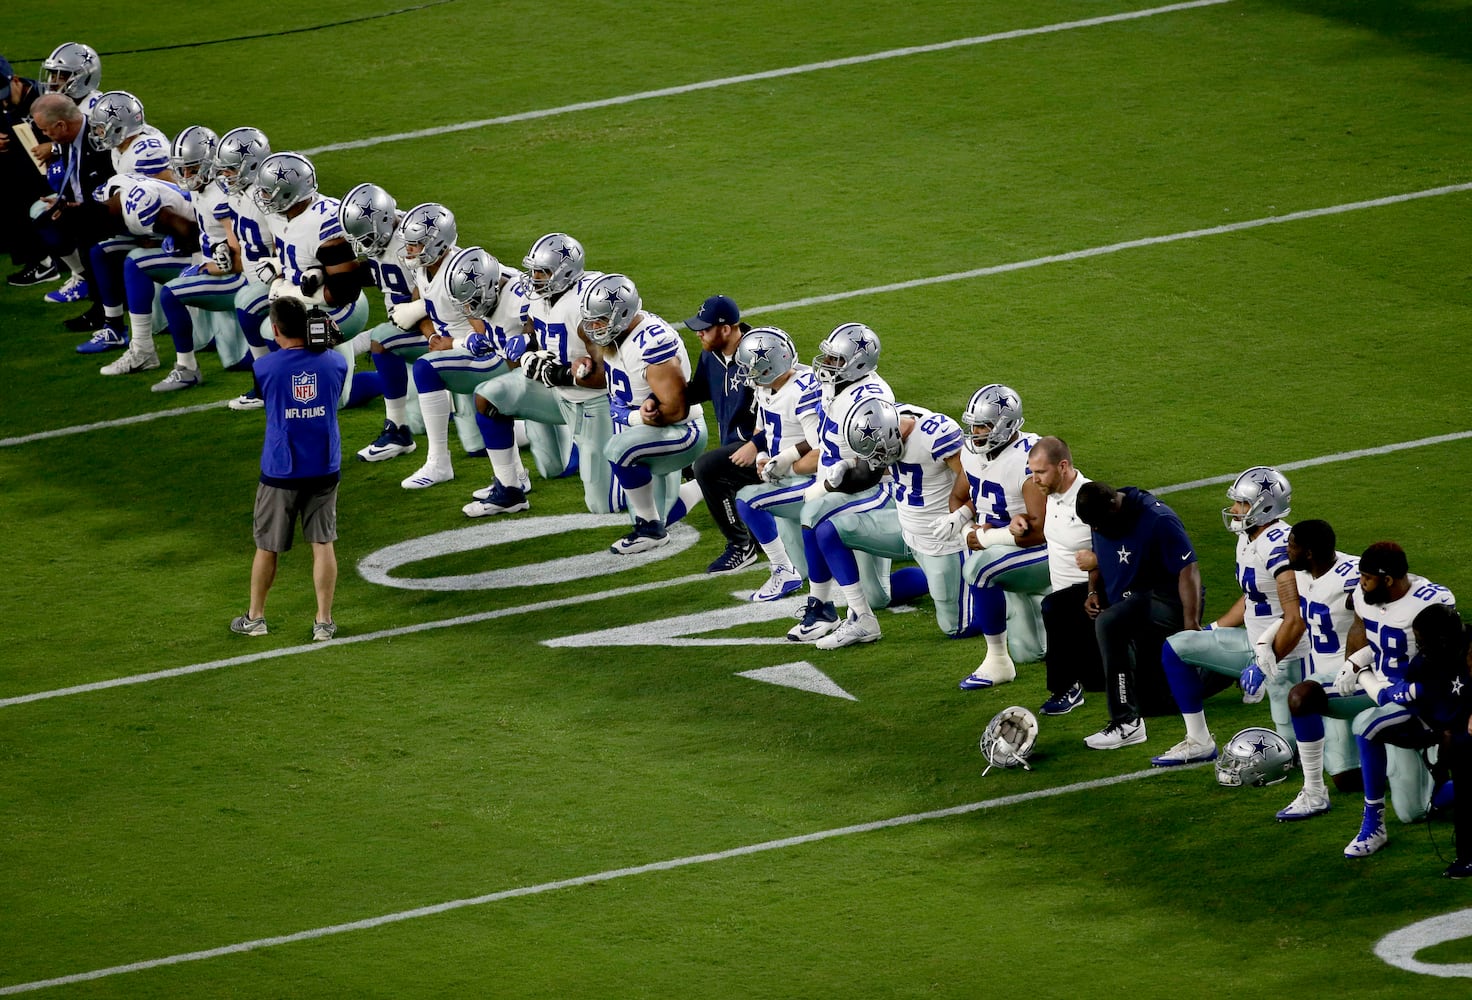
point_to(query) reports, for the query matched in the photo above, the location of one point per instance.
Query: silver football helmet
(847, 354)
(1256, 757)
(608, 307)
(475, 281)
(997, 408)
(369, 216)
(764, 355)
(1267, 495)
(428, 231)
(115, 117)
(72, 69)
(285, 179)
(192, 157)
(239, 156)
(553, 265)
(1009, 738)
(872, 429)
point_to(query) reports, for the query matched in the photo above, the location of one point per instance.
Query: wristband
(994, 536)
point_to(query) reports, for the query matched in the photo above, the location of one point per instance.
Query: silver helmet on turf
(1255, 756)
(1009, 738)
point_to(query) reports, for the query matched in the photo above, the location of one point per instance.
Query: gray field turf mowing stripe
(22, 699)
(771, 74)
(981, 272)
(606, 876)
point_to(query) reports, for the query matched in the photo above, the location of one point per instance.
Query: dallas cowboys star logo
(1005, 401)
(285, 173)
(468, 273)
(861, 345)
(1124, 555)
(868, 431)
(760, 354)
(614, 296)
(1264, 482)
(1260, 748)
(564, 251)
(112, 111)
(1456, 685)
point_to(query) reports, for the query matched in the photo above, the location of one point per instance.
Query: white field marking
(605, 876)
(1147, 241)
(676, 631)
(771, 74)
(801, 675)
(1311, 213)
(1399, 948)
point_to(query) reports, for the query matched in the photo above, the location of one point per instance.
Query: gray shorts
(277, 510)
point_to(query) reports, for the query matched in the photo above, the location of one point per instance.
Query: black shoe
(1458, 869)
(38, 272)
(737, 556)
(89, 322)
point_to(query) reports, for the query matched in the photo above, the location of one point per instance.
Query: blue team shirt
(301, 389)
(1151, 553)
(715, 381)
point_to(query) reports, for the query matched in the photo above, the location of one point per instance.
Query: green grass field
(275, 803)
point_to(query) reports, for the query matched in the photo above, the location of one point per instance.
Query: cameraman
(301, 384)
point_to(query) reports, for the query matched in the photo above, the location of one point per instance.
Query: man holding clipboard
(22, 177)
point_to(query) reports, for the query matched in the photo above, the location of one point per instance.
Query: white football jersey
(651, 341)
(255, 228)
(1066, 535)
(390, 276)
(212, 215)
(147, 154)
(791, 413)
(1324, 603)
(996, 483)
(505, 326)
(144, 197)
(924, 480)
(1388, 626)
(554, 323)
(445, 313)
(1259, 561)
(834, 448)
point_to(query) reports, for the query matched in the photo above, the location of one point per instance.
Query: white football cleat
(1188, 751)
(852, 630)
(131, 361)
(430, 474)
(783, 581)
(994, 670)
(1368, 842)
(1305, 805)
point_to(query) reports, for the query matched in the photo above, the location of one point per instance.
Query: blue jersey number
(1247, 577)
(908, 488)
(391, 278)
(984, 490)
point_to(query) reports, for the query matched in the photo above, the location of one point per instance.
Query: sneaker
(500, 500)
(75, 290)
(484, 493)
(42, 270)
(246, 625)
(132, 361)
(1458, 869)
(1371, 838)
(107, 339)
(93, 319)
(179, 378)
(429, 474)
(1188, 751)
(1116, 735)
(645, 536)
(1062, 704)
(1305, 805)
(737, 556)
(247, 400)
(783, 581)
(852, 630)
(818, 619)
(394, 441)
(994, 670)
(322, 631)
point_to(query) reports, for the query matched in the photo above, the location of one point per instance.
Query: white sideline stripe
(771, 74)
(606, 876)
(1147, 241)
(981, 272)
(310, 647)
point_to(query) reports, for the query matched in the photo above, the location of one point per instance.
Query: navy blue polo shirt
(1150, 553)
(301, 389)
(715, 382)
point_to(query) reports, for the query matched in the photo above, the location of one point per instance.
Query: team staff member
(300, 464)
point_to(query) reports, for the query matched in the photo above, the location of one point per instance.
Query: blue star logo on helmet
(868, 430)
(563, 250)
(1260, 748)
(284, 173)
(613, 295)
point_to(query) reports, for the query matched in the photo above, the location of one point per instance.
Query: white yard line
(771, 74)
(604, 876)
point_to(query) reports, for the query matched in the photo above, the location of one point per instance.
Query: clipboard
(27, 137)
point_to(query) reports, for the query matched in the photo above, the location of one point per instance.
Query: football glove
(1347, 682)
(1252, 681)
(406, 315)
(313, 279)
(267, 269)
(1262, 650)
(480, 344)
(222, 258)
(779, 467)
(167, 246)
(952, 527)
(834, 476)
(1402, 693)
(619, 411)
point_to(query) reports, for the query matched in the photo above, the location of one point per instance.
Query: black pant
(1459, 762)
(20, 186)
(1130, 635)
(719, 479)
(1073, 651)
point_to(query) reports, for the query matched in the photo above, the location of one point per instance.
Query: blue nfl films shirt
(301, 389)
(1150, 553)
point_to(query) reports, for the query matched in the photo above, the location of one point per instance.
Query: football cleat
(852, 630)
(246, 625)
(429, 474)
(1116, 735)
(783, 581)
(501, 500)
(132, 361)
(322, 631)
(994, 670)
(1371, 838)
(75, 290)
(1188, 751)
(1305, 805)
(180, 378)
(247, 400)
(737, 556)
(395, 440)
(645, 536)
(107, 339)
(484, 493)
(818, 619)
(1062, 704)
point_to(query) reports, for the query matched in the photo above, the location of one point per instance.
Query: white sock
(858, 604)
(259, 352)
(396, 410)
(1196, 730)
(141, 326)
(777, 552)
(690, 493)
(73, 262)
(436, 407)
(114, 312)
(506, 465)
(641, 502)
(996, 646)
(823, 591)
(186, 358)
(1311, 753)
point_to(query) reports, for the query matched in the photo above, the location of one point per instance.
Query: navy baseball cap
(5, 72)
(718, 309)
